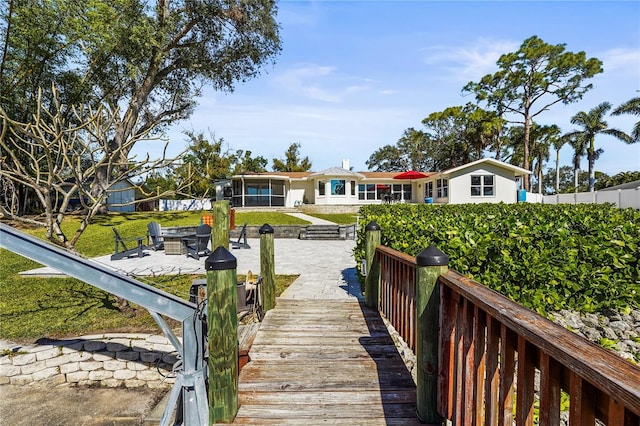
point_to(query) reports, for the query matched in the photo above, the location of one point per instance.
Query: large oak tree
(143, 63)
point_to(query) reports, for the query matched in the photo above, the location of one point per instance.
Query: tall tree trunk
(576, 171)
(591, 154)
(540, 181)
(527, 133)
(557, 171)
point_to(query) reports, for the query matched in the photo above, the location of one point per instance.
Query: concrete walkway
(314, 220)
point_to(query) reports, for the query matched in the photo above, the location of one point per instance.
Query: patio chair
(154, 235)
(197, 245)
(126, 252)
(242, 239)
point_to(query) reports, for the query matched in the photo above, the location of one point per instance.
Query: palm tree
(593, 123)
(543, 137)
(579, 145)
(557, 145)
(632, 106)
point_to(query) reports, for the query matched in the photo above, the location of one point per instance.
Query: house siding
(300, 192)
(123, 193)
(505, 185)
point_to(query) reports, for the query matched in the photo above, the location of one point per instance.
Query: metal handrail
(191, 375)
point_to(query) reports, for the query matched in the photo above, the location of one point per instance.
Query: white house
(482, 181)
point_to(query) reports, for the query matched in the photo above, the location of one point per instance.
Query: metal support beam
(192, 376)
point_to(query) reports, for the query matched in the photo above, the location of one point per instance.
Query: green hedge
(547, 257)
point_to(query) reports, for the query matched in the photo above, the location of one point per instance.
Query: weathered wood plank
(328, 397)
(246, 335)
(324, 327)
(293, 351)
(325, 362)
(321, 316)
(301, 340)
(327, 411)
(287, 367)
(384, 382)
(334, 422)
(320, 333)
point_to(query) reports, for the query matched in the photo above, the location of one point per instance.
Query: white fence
(533, 197)
(177, 205)
(622, 198)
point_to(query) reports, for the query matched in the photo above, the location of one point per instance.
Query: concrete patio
(326, 268)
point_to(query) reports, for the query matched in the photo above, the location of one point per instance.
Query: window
(383, 192)
(353, 188)
(338, 186)
(367, 192)
(321, 188)
(428, 190)
(406, 192)
(442, 188)
(482, 185)
(401, 192)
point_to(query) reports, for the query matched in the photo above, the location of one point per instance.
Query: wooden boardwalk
(325, 362)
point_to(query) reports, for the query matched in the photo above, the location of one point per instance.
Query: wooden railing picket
(489, 349)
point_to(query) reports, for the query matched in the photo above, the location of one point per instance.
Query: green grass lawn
(98, 240)
(64, 307)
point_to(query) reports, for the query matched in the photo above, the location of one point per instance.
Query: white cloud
(321, 83)
(301, 15)
(621, 59)
(468, 62)
(327, 132)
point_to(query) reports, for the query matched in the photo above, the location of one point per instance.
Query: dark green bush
(547, 257)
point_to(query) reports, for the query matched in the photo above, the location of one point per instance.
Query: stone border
(291, 231)
(110, 360)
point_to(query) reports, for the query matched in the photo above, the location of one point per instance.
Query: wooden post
(220, 228)
(431, 263)
(267, 268)
(223, 335)
(372, 238)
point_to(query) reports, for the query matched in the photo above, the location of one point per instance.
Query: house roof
(517, 170)
(336, 171)
(332, 171)
(628, 185)
(290, 175)
(380, 175)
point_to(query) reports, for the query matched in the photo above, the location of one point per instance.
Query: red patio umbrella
(410, 175)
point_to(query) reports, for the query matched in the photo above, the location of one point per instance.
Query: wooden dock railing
(497, 362)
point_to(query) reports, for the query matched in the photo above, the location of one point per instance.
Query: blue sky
(353, 75)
